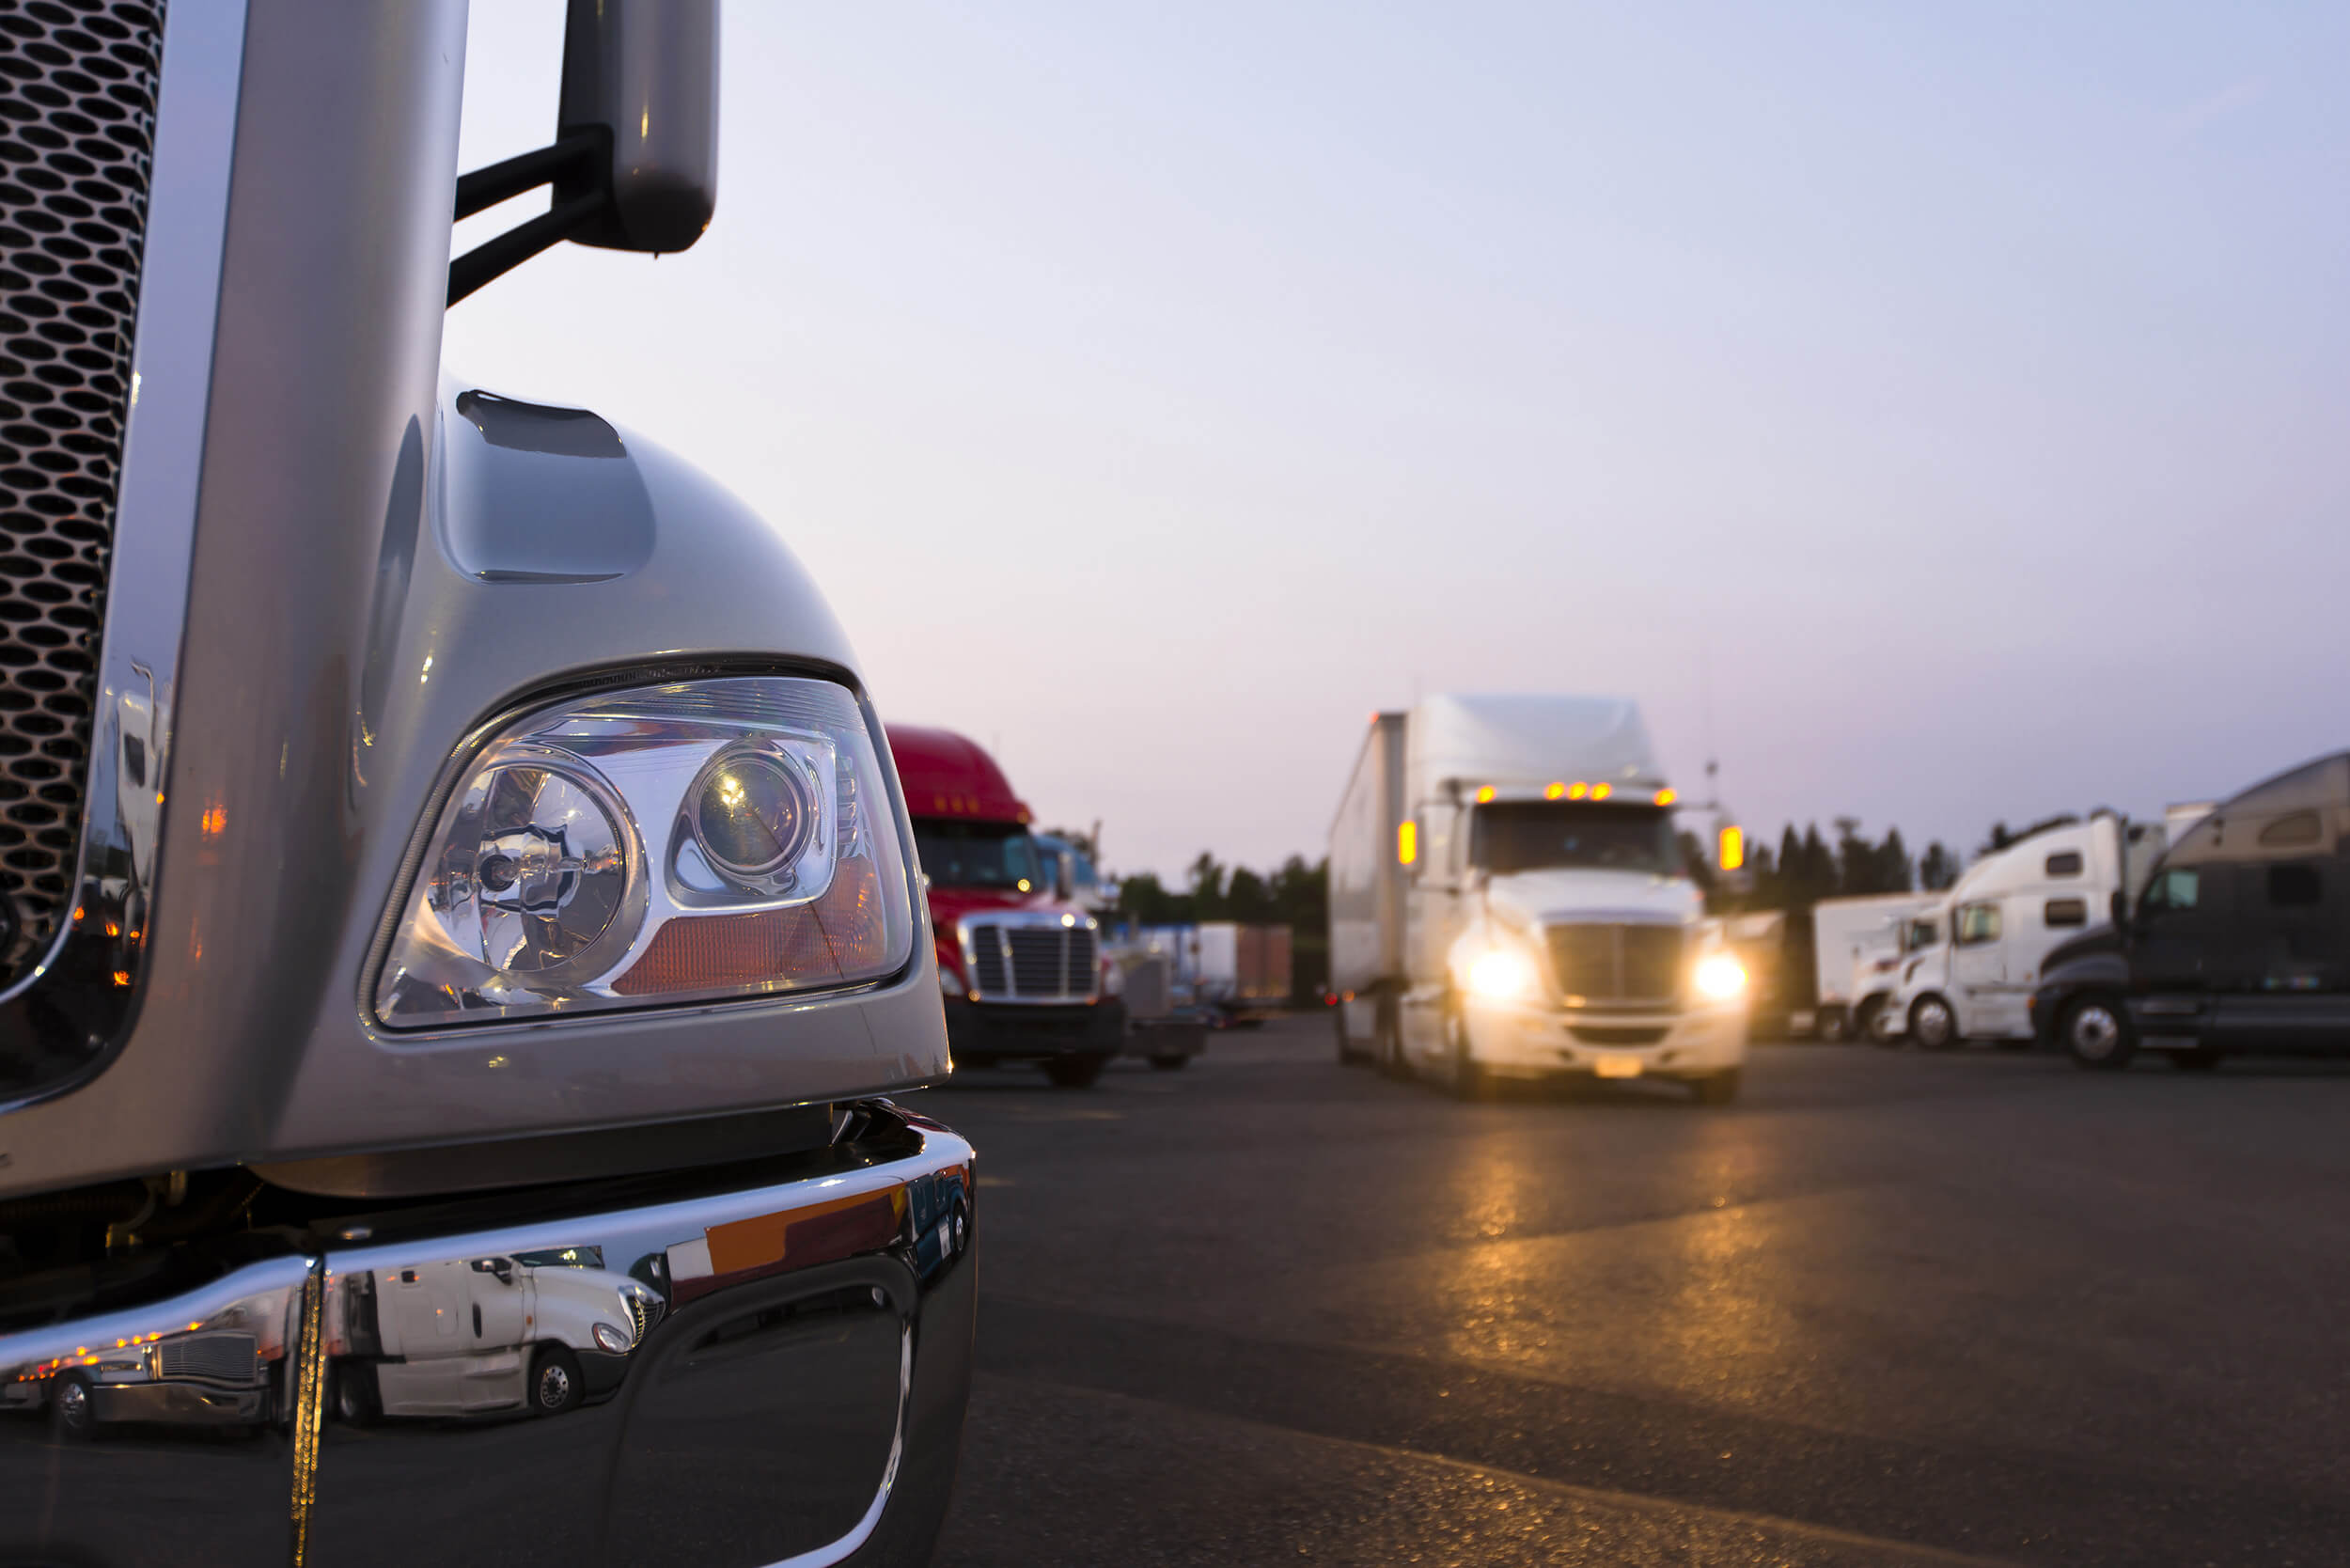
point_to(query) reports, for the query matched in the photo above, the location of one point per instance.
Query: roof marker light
(1666, 797)
(1556, 791)
(1601, 791)
(1578, 789)
(1484, 794)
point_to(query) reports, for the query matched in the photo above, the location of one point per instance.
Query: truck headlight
(1502, 975)
(1720, 977)
(691, 841)
(611, 1339)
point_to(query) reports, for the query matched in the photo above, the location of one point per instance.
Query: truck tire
(1348, 1055)
(1931, 1024)
(352, 1395)
(1386, 1042)
(2097, 1033)
(1865, 1017)
(72, 1415)
(555, 1385)
(1716, 1088)
(1829, 1026)
(1465, 1078)
(1076, 1070)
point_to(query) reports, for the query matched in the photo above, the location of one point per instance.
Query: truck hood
(1539, 898)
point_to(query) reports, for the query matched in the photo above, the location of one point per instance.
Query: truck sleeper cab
(1539, 916)
(2238, 942)
(1020, 967)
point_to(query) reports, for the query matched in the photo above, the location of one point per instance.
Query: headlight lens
(1720, 977)
(611, 1339)
(1502, 975)
(690, 841)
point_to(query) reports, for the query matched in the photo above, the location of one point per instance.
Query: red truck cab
(1019, 963)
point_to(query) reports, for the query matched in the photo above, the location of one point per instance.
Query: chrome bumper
(797, 1397)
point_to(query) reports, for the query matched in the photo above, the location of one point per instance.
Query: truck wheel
(1074, 1071)
(1716, 1088)
(71, 1412)
(1867, 1017)
(1386, 1042)
(2097, 1033)
(1466, 1078)
(1881, 1027)
(1932, 1025)
(353, 1395)
(1173, 1062)
(1830, 1025)
(555, 1381)
(1348, 1055)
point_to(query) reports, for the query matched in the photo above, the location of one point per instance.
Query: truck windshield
(978, 854)
(1527, 836)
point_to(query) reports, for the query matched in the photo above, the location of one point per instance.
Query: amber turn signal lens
(838, 937)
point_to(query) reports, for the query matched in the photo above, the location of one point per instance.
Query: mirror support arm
(572, 157)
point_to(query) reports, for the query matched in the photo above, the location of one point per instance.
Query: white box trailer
(1855, 944)
(1507, 899)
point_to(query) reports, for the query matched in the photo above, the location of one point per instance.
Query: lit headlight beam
(1720, 977)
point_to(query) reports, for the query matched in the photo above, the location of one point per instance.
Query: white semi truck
(1508, 900)
(2002, 917)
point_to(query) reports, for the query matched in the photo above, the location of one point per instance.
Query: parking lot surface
(1890, 1308)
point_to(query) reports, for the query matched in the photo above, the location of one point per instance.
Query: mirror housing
(641, 76)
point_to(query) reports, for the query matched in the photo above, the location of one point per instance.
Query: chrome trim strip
(147, 598)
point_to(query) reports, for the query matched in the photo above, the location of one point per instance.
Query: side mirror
(642, 76)
(1061, 887)
(2118, 910)
(635, 162)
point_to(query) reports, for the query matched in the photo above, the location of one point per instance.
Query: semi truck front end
(458, 919)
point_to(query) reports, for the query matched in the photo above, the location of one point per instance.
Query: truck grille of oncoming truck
(1617, 962)
(77, 129)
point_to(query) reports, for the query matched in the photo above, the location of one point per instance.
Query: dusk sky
(1954, 401)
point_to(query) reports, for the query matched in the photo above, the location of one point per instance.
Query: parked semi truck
(2233, 942)
(1998, 922)
(442, 837)
(1019, 965)
(1507, 899)
(1855, 951)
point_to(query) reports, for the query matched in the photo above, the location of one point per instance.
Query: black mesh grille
(77, 125)
(1617, 962)
(222, 1357)
(1048, 962)
(1080, 980)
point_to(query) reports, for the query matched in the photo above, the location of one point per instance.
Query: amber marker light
(1666, 797)
(1484, 794)
(1557, 791)
(1601, 791)
(1733, 849)
(1406, 843)
(1578, 790)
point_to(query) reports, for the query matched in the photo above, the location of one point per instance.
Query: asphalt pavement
(1889, 1307)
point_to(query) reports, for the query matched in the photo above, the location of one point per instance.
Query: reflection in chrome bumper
(796, 1353)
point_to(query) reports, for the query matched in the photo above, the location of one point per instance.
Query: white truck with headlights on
(1508, 900)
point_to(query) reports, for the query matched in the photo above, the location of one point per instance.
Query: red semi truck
(1019, 962)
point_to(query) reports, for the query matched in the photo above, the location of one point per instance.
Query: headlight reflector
(688, 842)
(612, 1341)
(1720, 977)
